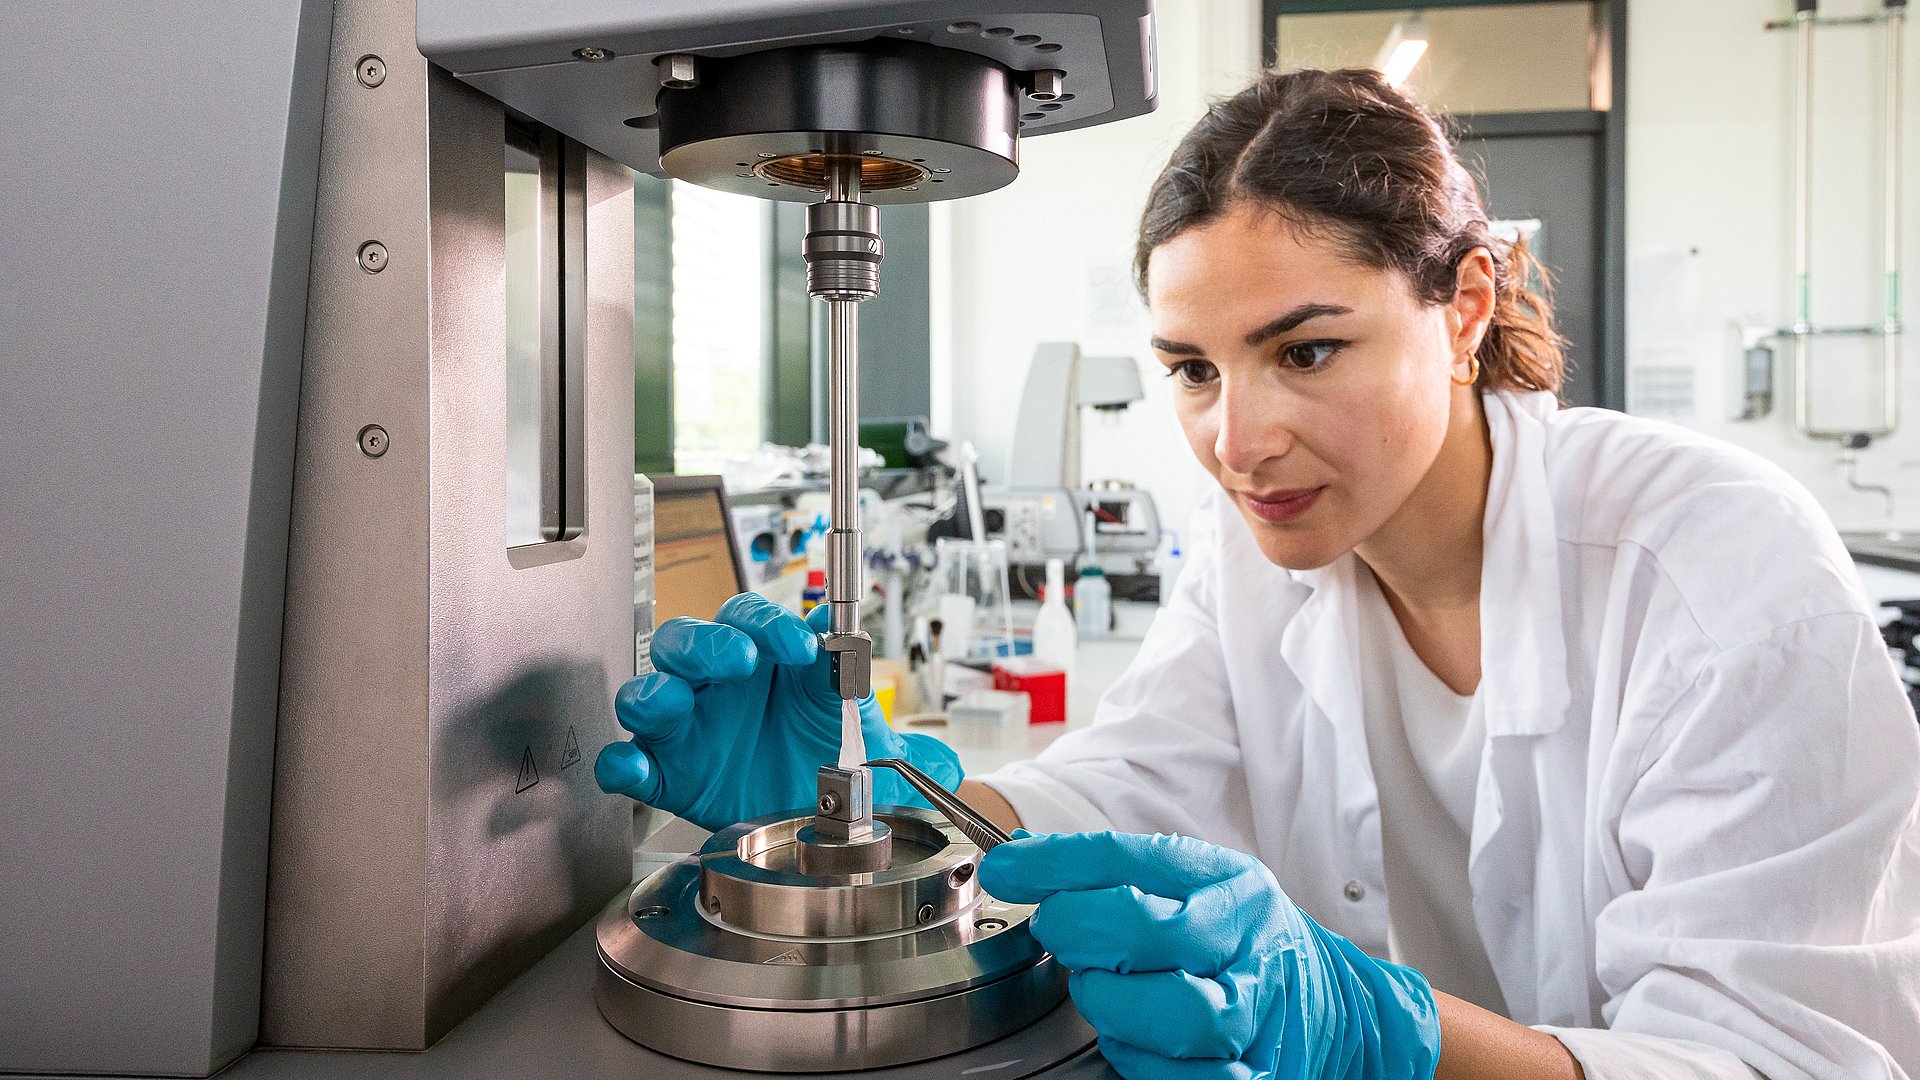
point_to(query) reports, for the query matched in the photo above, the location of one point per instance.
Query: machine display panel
(696, 566)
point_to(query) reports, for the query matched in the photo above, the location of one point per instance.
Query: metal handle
(972, 823)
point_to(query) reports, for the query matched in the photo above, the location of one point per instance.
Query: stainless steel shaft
(843, 253)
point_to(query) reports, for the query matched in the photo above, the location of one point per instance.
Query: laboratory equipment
(697, 562)
(1802, 335)
(974, 599)
(367, 660)
(1044, 511)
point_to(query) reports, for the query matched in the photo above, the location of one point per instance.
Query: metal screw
(960, 875)
(373, 440)
(871, 153)
(1046, 85)
(990, 925)
(829, 802)
(925, 914)
(677, 72)
(371, 70)
(592, 55)
(373, 256)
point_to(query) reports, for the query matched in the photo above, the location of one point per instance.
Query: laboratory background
(376, 376)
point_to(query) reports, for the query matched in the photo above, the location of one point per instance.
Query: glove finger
(780, 634)
(1176, 867)
(625, 769)
(703, 652)
(654, 706)
(1133, 1063)
(1170, 1014)
(1125, 930)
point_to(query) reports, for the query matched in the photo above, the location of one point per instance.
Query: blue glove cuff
(1404, 1033)
(930, 756)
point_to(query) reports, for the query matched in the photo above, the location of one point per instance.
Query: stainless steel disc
(809, 973)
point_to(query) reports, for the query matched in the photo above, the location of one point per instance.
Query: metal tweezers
(972, 823)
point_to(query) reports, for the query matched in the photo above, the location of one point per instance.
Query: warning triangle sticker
(529, 772)
(790, 958)
(571, 755)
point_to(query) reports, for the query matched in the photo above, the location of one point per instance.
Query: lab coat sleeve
(1163, 753)
(1769, 901)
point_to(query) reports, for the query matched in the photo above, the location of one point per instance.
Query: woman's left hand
(1190, 962)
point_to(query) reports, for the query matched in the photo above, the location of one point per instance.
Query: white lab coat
(1695, 817)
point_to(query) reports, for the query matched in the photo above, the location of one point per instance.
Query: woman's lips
(1280, 506)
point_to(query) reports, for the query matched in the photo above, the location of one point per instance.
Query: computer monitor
(696, 565)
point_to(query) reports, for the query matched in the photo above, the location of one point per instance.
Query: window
(720, 317)
(1478, 59)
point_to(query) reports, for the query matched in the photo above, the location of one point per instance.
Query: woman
(1596, 702)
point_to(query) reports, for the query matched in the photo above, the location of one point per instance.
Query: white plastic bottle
(1092, 604)
(1170, 563)
(1053, 636)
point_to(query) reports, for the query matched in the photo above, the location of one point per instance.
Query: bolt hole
(960, 875)
(999, 31)
(1026, 39)
(1033, 116)
(1050, 106)
(1064, 97)
(653, 911)
(990, 925)
(1049, 47)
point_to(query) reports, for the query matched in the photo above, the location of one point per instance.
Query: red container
(1044, 684)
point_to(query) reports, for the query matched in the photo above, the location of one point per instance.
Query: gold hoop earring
(1473, 371)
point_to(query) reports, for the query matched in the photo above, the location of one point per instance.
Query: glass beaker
(978, 572)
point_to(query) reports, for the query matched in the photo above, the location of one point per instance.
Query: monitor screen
(695, 567)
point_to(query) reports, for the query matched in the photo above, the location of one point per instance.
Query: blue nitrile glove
(739, 718)
(1190, 962)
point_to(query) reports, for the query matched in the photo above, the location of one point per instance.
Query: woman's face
(1317, 391)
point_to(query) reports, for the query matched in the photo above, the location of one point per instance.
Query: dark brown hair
(1342, 154)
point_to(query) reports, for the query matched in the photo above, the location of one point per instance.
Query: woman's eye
(1192, 374)
(1309, 356)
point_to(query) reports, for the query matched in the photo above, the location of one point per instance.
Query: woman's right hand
(738, 718)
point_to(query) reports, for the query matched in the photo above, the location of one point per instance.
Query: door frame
(1612, 126)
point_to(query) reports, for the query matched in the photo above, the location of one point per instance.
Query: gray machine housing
(588, 68)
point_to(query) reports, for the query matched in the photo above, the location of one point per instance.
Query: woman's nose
(1252, 428)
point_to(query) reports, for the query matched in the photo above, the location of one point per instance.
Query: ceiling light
(1404, 47)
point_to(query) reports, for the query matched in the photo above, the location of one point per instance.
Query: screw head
(925, 914)
(677, 72)
(592, 55)
(373, 440)
(370, 70)
(373, 256)
(829, 802)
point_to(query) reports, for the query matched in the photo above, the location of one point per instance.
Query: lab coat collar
(1523, 646)
(1523, 651)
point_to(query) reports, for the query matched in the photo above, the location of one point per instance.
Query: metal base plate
(677, 979)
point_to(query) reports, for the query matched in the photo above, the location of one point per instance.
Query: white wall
(1047, 259)
(1709, 135)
